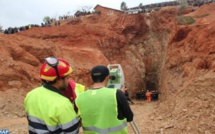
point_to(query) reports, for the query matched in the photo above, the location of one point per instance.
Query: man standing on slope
(102, 110)
(47, 109)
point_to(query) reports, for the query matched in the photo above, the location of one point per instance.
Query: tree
(46, 19)
(182, 4)
(123, 6)
(86, 8)
(83, 10)
(140, 5)
(68, 13)
(1, 29)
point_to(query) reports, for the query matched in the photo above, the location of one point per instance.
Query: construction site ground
(141, 110)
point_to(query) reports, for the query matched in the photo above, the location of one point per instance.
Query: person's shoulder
(35, 90)
(119, 92)
(73, 83)
(82, 94)
(80, 85)
(61, 102)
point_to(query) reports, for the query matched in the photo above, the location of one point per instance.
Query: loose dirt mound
(204, 14)
(151, 48)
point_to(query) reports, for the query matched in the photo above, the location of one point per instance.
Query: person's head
(99, 73)
(55, 71)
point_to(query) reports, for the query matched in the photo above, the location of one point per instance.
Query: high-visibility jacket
(48, 111)
(73, 90)
(98, 111)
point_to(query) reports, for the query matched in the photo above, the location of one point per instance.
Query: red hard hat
(49, 73)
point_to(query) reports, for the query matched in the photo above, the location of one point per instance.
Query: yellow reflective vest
(98, 111)
(48, 111)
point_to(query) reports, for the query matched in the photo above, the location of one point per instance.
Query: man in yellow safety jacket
(47, 109)
(102, 110)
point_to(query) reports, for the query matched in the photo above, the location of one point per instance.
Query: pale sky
(23, 12)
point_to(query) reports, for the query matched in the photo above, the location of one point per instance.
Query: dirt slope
(151, 48)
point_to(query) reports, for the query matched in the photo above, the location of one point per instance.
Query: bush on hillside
(185, 20)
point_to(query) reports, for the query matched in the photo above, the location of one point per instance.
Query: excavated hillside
(151, 48)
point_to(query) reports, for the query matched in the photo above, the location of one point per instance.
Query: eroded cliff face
(151, 48)
(127, 40)
(187, 78)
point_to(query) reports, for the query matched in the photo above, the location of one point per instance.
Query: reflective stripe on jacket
(98, 111)
(50, 112)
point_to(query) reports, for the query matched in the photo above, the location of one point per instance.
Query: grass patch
(201, 16)
(185, 20)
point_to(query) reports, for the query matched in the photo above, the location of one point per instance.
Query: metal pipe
(134, 127)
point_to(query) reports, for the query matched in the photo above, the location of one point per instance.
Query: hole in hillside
(152, 85)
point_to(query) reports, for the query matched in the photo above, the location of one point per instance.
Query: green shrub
(185, 20)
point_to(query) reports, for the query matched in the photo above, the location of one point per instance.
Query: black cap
(100, 71)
